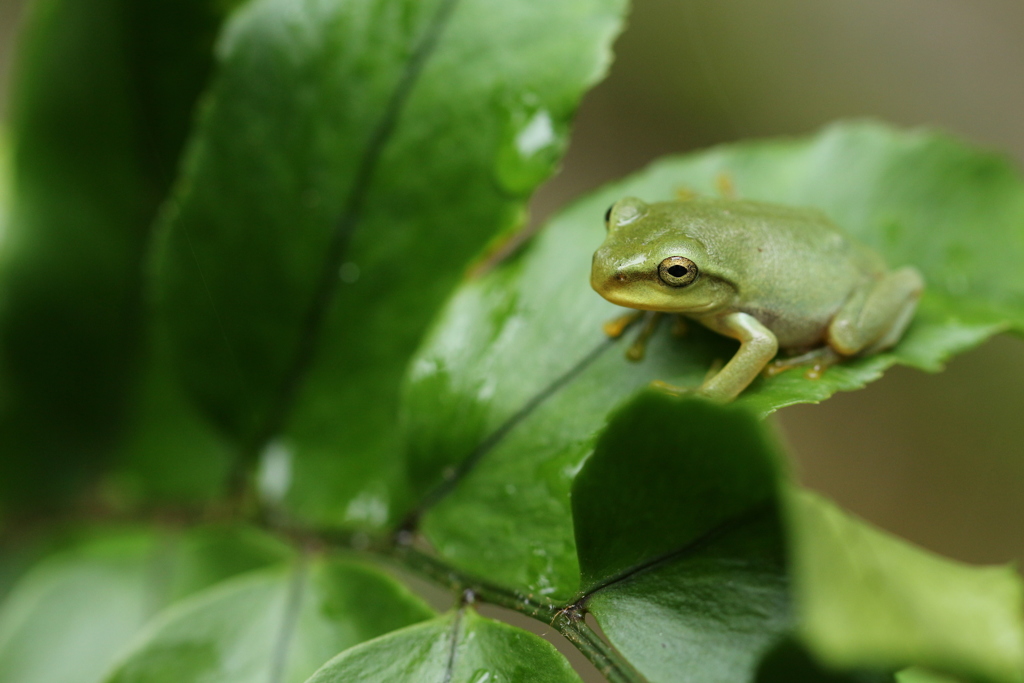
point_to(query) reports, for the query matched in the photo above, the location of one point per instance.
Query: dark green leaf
(708, 616)
(510, 391)
(680, 544)
(352, 157)
(169, 452)
(102, 98)
(69, 616)
(274, 625)
(710, 590)
(626, 518)
(462, 648)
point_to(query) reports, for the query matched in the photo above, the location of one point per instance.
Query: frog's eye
(608, 217)
(677, 271)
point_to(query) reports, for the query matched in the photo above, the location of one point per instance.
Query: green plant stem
(603, 656)
(437, 571)
(566, 619)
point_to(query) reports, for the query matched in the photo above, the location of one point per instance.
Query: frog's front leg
(876, 315)
(758, 346)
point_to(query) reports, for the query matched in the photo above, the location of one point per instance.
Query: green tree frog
(771, 276)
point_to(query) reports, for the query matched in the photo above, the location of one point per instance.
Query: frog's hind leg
(876, 315)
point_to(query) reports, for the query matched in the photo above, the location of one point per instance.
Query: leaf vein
(449, 668)
(749, 516)
(494, 438)
(346, 225)
(289, 622)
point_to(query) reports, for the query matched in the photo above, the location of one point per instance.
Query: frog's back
(791, 266)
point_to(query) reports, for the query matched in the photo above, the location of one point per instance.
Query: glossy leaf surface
(67, 618)
(462, 648)
(510, 391)
(101, 101)
(352, 157)
(712, 603)
(279, 624)
(680, 543)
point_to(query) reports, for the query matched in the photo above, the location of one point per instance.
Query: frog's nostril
(620, 277)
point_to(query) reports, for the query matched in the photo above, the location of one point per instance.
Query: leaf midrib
(494, 438)
(344, 228)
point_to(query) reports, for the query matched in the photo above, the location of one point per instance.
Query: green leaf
(869, 599)
(680, 545)
(351, 157)
(511, 389)
(719, 578)
(709, 616)
(169, 453)
(70, 615)
(716, 482)
(278, 625)
(102, 99)
(917, 675)
(462, 647)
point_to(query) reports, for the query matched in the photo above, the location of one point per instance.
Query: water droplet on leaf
(532, 144)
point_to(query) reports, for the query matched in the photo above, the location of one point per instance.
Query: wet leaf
(101, 102)
(462, 647)
(67, 618)
(510, 391)
(352, 156)
(278, 624)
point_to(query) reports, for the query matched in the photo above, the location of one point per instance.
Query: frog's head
(649, 262)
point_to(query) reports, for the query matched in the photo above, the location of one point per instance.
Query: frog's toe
(816, 362)
(725, 185)
(616, 327)
(670, 388)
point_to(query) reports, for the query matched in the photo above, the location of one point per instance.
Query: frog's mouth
(620, 287)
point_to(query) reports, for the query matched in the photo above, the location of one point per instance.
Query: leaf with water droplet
(530, 146)
(338, 181)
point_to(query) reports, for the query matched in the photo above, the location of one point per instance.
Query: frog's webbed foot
(639, 346)
(816, 362)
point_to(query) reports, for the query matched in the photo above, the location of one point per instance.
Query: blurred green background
(938, 459)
